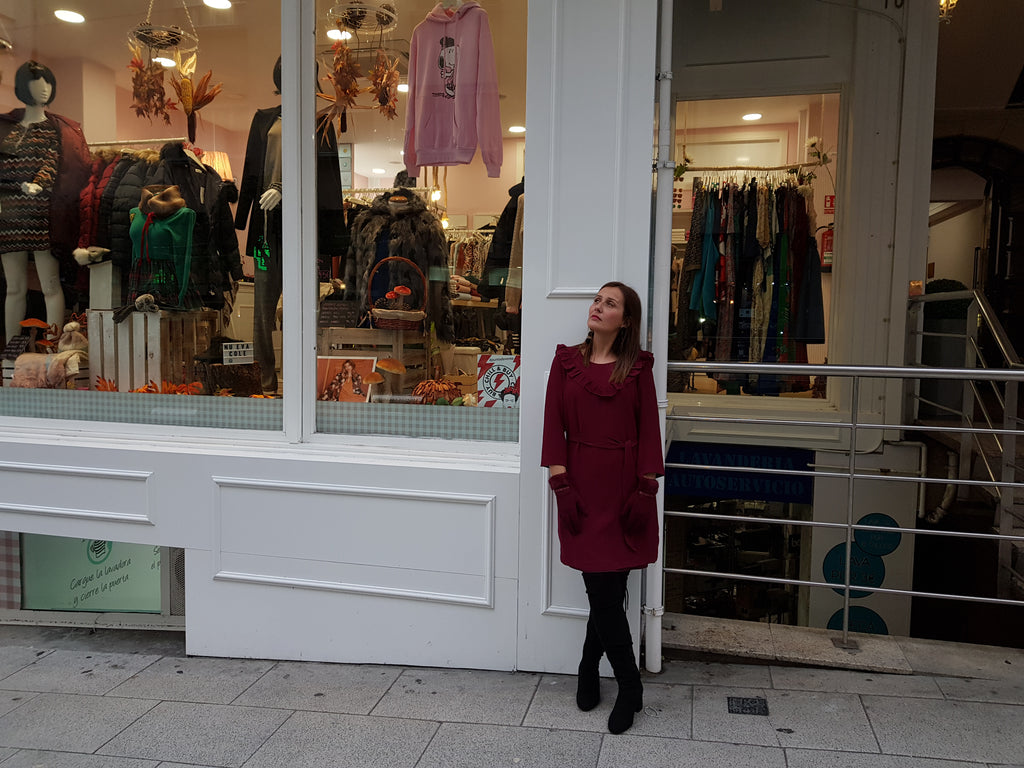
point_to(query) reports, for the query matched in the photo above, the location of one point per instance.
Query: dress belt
(610, 444)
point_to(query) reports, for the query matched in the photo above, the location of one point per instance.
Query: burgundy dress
(607, 436)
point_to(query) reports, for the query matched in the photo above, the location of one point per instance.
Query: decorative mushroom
(391, 365)
(373, 378)
(402, 291)
(33, 326)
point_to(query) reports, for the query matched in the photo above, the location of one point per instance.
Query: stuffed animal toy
(34, 370)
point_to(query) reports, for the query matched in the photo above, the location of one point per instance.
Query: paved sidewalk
(113, 699)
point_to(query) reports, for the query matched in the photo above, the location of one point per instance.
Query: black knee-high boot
(606, 593)
(588, 683)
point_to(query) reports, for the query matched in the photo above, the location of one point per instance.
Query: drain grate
(748, 705)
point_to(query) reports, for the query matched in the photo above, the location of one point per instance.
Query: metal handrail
(1002, 486)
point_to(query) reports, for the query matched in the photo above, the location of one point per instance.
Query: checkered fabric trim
(10, 570)
(447, 423)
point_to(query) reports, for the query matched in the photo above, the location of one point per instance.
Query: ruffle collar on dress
(593, 378)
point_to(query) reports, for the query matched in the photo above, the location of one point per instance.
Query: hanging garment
(702, 297)
(453, 91)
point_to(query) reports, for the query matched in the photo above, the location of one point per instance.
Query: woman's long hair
(626, 345)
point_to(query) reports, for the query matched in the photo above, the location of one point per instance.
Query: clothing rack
(135, 142)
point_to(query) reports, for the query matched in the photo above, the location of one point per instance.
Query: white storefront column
(590, 123)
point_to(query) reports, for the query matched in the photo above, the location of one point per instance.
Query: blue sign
(877, 542)
(861, 620)
(865, 570)
(731, 482)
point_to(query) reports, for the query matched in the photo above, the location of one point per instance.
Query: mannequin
(29, 158)
(259, 209)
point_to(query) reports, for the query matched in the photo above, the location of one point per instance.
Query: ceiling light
(70, 16)
(378, 171)
(218, 4)
(164, 61)
(753, 116)
(516, 129)
(946, 10)
(403, 87)
(435, 195)
(339, 34)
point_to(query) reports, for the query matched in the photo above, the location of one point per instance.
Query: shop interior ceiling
(240, 45)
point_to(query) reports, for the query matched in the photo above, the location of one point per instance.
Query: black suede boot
(588, 683)
(607, 593)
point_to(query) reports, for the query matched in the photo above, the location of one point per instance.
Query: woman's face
(607, 312)
(41, 91)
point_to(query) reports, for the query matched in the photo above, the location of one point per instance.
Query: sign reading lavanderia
(724, 484)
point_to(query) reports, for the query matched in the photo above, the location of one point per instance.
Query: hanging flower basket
(393, 317)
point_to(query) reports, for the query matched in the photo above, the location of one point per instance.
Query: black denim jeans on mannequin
(608, 625)
(266, 294)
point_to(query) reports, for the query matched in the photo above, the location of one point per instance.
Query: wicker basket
(396, 319)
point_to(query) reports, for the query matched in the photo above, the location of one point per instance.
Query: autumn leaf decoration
(344, 79)
(193, 96)
(384, 84)
(148, 98)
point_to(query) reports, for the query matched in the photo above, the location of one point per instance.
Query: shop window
(420, 220)
(146, 250)
(753, 233)
(125, 272)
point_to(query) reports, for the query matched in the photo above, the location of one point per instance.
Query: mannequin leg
(16, 274)
(48, 271)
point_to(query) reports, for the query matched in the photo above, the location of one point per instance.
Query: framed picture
(345, 379)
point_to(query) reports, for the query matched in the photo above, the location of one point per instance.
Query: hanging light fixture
(946, 10)
(356, 16)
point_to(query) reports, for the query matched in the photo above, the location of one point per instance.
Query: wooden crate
(408, 346)
(148, 346)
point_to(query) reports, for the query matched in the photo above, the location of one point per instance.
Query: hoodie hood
(438, 12)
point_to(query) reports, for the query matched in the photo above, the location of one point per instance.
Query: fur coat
(410, 231)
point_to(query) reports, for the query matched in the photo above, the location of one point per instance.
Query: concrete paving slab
(460, 696)
(722, 637)
(807, 645)
(652, 752)
(69, 723)
(848, 681)
(980, 732)
(78, 672)
(214, 681)
(688, 672)
(813, 758)
(666, 708)
(6, 752)
(315, 687)
(317, 739)
(934, 657)
(34, 758)
(974, 689)
(460, 745)
(11, 700)
(16, 657)
(108, 640)
(206, 734)
(795, 719)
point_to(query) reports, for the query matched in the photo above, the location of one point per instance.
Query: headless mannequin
(15, 264)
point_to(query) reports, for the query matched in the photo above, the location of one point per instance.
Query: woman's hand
(570, 511)
(641, 507)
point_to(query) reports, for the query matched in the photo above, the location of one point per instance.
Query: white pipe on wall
(657, 316)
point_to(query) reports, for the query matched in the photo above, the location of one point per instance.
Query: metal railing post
(852, 462)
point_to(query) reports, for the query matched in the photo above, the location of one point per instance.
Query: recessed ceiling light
(70, 16)
(218, 4)
(742, 159)
(164, 61)
(378, 171)
(516, 129)
(753, 116)
(403, 87)
(339, 34)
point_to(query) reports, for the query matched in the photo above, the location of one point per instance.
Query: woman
(604, 452)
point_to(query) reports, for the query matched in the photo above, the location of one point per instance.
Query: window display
(167, 236)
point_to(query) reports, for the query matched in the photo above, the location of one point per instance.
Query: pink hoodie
(453, 91)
